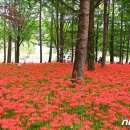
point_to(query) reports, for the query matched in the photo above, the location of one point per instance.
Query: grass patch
(98, 125)
(88, 80)
(105, 108)
(10, 113)
(74, 127)
(37, 125)
(80, 110)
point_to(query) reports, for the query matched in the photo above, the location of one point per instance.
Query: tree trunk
(9, 48)
(128, 46)
(121, 39)
(4, 35)
(72, 40)
(61, 37)
(51, 37)
(96, 42)
(18, 47)
(80, 54)
(72, 36)
(10, 36)
(57, 31)
(90, 54)
(123, 44)
(40, 30)
(105, 33)
(15, 39)
(112, 36)
(17, 44)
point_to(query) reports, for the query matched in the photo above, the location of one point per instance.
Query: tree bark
(72, 36)
(17, 44)
(105, 33)
(72, 40)
(96, 42)
(128, 47)
(15, 40)
(112, 36)
(61, 37)
(51, 37)
(121, 39)
(80, 54)
(18, 47)
(40, 30)
(123, 45)
(90, 54)
(10, 36)
(57, 31)
(4, 34)
(9, 48)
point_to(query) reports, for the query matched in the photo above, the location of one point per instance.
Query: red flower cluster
(42, 97)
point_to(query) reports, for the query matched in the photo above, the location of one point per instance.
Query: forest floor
(42, 97)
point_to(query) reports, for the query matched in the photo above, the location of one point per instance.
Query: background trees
(55, 24)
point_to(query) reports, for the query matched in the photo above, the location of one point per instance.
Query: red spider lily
(42, 96)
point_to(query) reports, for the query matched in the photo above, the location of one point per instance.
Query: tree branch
(68, 6)
(97, 3)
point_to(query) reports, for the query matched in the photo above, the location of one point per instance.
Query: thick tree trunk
(51, 37)
(61, 37)
(40, 30)
(90, 54)
(105, 33)
(96, 42)
(80, 54)
(112, 36)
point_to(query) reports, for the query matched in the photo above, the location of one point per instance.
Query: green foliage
(10, 113)
(74, 127)
(80, 110)
(37, 125)
(29, 32)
